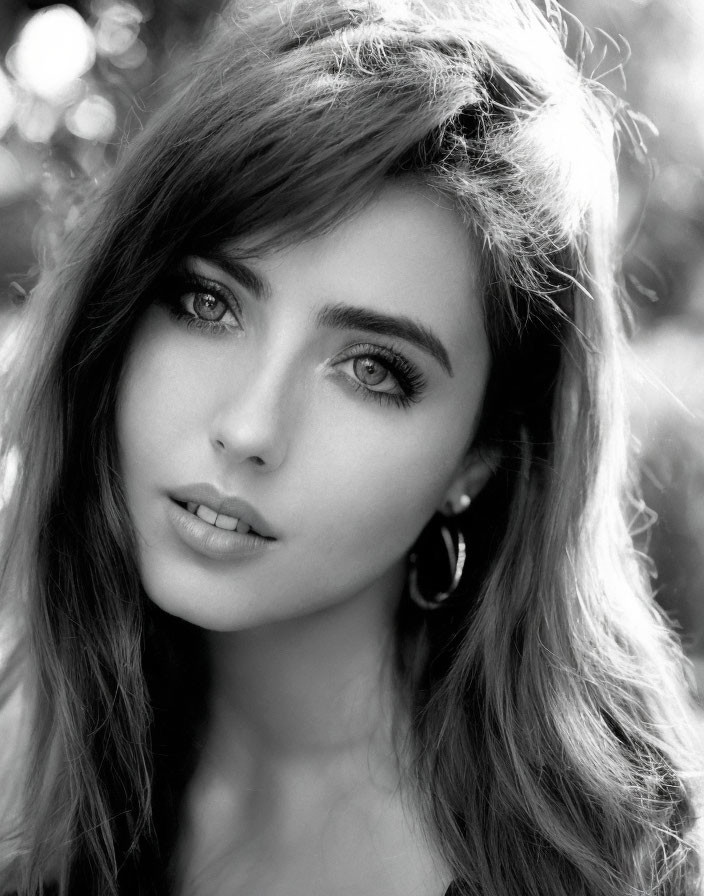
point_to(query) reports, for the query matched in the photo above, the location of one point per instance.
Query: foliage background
(77, 78)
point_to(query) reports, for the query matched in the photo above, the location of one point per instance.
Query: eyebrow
(240, 272)
(343, 317)
(349, 317)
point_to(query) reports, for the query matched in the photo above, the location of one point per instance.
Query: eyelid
(227, 270)
(362, 349)
(410, 378)
(204, 282)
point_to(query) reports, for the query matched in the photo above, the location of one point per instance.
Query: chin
(209, 615)
(214, 612)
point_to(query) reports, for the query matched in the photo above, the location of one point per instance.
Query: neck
(315, 684)
(299, 777)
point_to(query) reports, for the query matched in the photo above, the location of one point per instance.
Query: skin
(299, 777)
(346, 483)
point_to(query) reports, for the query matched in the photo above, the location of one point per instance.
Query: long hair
(548, 736)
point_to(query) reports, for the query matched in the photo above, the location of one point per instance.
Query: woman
(319, 541)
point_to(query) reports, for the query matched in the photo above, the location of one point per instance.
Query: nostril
(258, 461)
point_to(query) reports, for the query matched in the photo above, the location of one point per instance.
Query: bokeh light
(7, 102)
(36, 119)
(54, 49)
(134, 57)
(93, 118)
(117, 27)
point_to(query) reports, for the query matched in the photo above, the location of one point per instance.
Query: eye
(206, 306)
(202, 303)
(373, 373)
(381, 374)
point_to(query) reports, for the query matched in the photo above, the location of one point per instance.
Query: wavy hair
(548, 744)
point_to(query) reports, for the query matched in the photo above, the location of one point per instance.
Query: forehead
(407, 252)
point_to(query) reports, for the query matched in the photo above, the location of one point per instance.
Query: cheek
(378, 487)
(156, 402)
(145, 423)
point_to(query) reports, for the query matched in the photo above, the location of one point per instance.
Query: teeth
(220, 520)
(205, 513)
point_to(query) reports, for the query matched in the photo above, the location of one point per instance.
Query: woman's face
(323, 396)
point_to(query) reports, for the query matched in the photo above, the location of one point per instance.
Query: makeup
(216, 525)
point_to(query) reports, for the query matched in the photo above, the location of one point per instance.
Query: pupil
(206, 306)
(369, 371)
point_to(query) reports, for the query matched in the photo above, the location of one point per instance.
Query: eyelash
(410, 380)
(188, 282)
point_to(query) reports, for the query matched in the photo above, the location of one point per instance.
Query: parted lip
(211, 496)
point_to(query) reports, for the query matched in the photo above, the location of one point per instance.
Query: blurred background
(77, 78)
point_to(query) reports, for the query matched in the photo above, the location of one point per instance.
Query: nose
(251, 421)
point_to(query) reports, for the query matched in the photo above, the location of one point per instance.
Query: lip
(205, 493)
(214, 543)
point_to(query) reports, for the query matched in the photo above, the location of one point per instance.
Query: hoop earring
(456, 562)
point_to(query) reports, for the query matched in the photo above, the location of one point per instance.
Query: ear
(475, 471)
